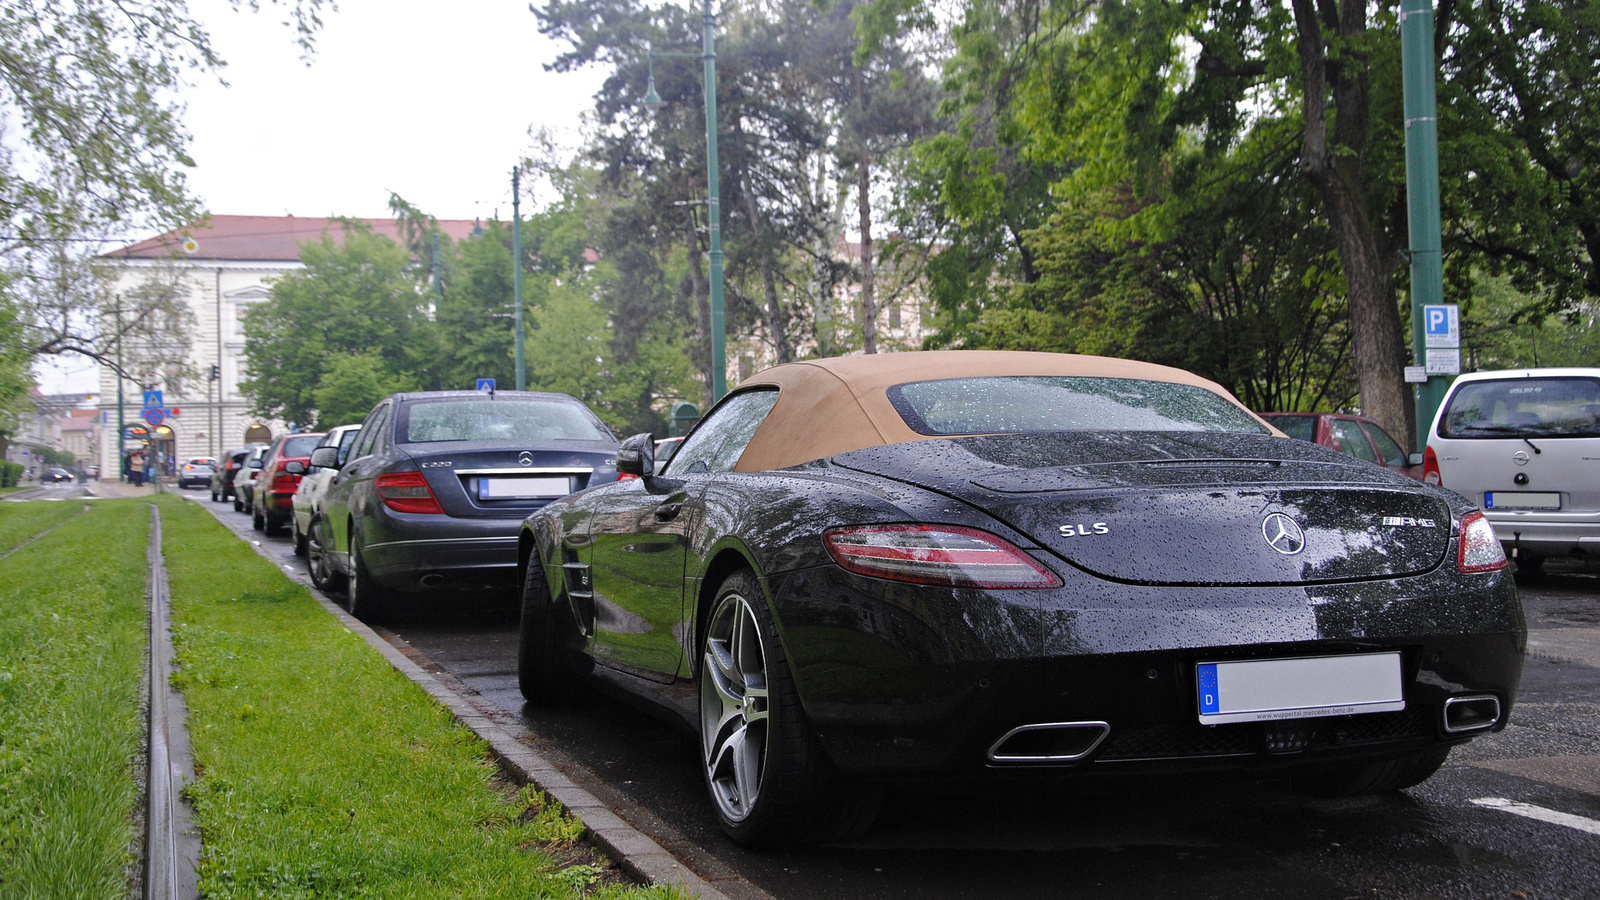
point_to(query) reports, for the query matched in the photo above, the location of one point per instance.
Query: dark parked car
(55, 475)
(988, 565)
(222, 476)
(279, 479)
(1356, 436)
(437, 484)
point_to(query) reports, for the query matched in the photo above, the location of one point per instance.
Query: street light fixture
(719, 365)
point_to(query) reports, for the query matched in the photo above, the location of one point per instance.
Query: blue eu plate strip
(1208, 689)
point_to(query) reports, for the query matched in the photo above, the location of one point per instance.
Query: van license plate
(1264, 690)
(1521, 500)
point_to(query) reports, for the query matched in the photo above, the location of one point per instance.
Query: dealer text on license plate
(1258, 690)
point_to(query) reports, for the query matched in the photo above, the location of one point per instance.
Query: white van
(1524, 444)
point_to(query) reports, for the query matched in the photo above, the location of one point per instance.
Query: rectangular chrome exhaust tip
(1471, 713)
(1049, 742)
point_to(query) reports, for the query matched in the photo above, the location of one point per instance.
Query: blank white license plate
(523, 488)
(1259, 690)
(1521, 500)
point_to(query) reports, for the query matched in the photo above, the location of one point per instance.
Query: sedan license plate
(1257, 690)
(523, 488)
(1521, 500)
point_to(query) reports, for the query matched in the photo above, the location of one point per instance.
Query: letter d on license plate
(1256, 690)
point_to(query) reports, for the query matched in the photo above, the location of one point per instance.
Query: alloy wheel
(734, 707)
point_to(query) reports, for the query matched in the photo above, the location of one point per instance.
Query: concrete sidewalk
(120, 489)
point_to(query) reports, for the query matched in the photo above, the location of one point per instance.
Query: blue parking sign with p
(1438, 320)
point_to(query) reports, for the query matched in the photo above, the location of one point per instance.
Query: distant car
(197, 471)
(274, 489)
(434, 489)
(55, 475)
(666, 447)
(222, 475)
(1356, 436)
(1524, 444)
(307, 501)
(244, 481)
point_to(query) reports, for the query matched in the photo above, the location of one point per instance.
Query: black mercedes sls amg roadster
(973, 564)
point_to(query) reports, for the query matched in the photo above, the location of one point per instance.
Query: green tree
(351, 385)
(356, 296)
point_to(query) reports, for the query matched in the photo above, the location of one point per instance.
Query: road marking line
(1538, 812)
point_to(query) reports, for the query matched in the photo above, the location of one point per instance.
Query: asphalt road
(1178, 839)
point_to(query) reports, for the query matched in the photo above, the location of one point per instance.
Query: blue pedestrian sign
(152, 400)
(486, 384)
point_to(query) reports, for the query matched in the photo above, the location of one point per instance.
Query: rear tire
(270, 524)
(255, 519)
(1374, 777)
(301, 544)
(323, 577)
(545, 650)
(363, 597)
(238, 503)
(213, 495)
(769, 778)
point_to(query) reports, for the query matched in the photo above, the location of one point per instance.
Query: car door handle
(666, 512)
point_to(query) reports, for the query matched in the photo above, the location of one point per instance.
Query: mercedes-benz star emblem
(1283, 534)
(525, 459)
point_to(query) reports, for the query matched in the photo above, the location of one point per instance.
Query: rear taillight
(1480, 549)
(945, 555)
(1430, 467)
(407, 492)
(626, 476)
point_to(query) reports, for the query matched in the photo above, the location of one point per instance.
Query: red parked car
(1356, 436)
(275, 486)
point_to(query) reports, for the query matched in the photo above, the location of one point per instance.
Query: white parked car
(1524, 444)
(314, 485)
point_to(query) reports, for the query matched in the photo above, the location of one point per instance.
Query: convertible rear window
(1523, 407)
(471, 419)
(1033, 403)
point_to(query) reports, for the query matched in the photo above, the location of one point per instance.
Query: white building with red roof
(227, 264)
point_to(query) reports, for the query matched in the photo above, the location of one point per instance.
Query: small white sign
(1441, 326)
(1416, 374)
(1444, 362)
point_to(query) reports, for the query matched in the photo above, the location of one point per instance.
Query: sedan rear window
(1523, 407)
(1035, 403)
(299, 446)
(471, 419)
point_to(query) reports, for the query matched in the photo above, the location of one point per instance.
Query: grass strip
(72, 649)
(326, 773)
(20, 521)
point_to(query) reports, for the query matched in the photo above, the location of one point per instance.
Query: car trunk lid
(1185, 508)
(510, 480)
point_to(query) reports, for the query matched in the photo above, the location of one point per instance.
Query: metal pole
(719, 363)
(122, 468)
(1422, 193)
(516, 269)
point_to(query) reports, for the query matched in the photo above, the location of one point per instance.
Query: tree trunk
(869, 301)
(776, 325)
(1378, 340)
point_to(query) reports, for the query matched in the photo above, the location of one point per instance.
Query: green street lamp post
(516, 272)
(1422, 193)
(719, 365)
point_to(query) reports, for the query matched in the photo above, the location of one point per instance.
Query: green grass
(72, 640)
(20, 521)
(326, 773)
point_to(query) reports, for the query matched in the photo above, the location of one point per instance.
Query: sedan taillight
(1480, 549)
(1430, 467)
(408, 492)
(946, 555)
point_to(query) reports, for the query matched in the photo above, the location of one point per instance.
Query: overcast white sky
(431, 100)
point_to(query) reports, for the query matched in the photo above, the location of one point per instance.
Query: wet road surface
(1177, 838)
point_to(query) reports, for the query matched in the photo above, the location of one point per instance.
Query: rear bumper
(1547, 534)
(443, 554)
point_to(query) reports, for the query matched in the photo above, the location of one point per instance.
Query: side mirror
(636, 457)
(1414, 459)
(295, 467)
(325, 457)
(255, 463)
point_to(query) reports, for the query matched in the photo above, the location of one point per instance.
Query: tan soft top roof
(830, 406)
